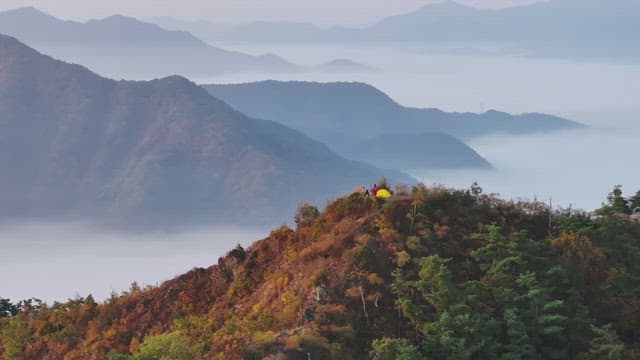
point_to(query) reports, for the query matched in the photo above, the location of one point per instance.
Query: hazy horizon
(572, 167)
(327, 13)
(576, 167)
(425, 76)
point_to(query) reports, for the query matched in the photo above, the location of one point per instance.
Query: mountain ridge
(591, 30)
(362, 278)
(359, 108)
(163, 148)
(352, 117)
(130, 41)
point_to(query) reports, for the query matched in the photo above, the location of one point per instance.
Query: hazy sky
(324, 12)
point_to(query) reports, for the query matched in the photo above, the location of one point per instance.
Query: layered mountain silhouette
(409, 151)
(343, 66)
(259, 31)
(362, 110)
(563, 28)
(72, 142)
(584, 29)
(130, 48)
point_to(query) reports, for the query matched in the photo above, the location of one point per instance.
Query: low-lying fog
(573, 168)
(58, 261)
(426, 76)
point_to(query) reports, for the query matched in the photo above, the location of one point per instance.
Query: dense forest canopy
(433, 273)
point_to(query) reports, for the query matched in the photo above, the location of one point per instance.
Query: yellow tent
(383, 194)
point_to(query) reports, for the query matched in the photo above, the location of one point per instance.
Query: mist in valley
(421, 75)
(571, 169)
(54, 261)
(574, 168)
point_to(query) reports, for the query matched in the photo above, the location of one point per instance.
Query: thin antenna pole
(550, 214)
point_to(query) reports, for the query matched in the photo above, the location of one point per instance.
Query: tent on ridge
(383, 193)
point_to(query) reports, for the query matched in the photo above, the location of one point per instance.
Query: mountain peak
(120, 44)
(27, 15)
(345, 64)
(119, 20)
(10, 41)
(10, 47)
(445, 6)
(160, 151)
(27, 10)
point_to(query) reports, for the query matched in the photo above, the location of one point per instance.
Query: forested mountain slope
(162, 151)
(433, 273)
(362, 110)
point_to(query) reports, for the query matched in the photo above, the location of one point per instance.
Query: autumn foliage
(434, 273)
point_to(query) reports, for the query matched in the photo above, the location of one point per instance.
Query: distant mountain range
(409, 151)
(124, 47)
(328, 110)
(585, 29)
(344, 66)
(605, 29)
(361, 122)
(72, 142)
(129, 47)
(258, 31)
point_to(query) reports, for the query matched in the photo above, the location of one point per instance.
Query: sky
(324, 13)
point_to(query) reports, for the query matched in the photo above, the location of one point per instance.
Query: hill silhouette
(363, 123)
(591, 29)
(434, 273)
(129, 43)
(162, 150)
(343, 66)
(573, 29)
(257, 31)
(360, 109)
(407, 151)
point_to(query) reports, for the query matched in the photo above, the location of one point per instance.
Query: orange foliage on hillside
(325, 288)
